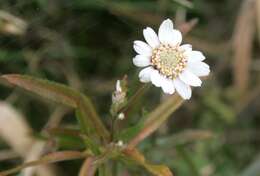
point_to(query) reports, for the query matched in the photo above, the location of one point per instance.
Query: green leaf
(87, 110)
(130, 132)
(67, 138)
(59, 93)
(91, 145)
(69, 142)
(83, 122)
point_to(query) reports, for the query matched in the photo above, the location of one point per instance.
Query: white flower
(168, 64)
(121, 116)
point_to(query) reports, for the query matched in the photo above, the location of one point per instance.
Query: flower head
(168, 64)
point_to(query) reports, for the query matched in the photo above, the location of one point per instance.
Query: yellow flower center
(168, 60)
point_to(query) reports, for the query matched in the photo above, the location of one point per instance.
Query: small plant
(169, 65)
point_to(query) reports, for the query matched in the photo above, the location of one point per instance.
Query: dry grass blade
(34, 153)
(50, 158)
(19, 139)
(10, 24)
(242, 45)
(258, 18)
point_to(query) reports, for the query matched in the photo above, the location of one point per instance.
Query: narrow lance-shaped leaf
(67, 138)
(51, 90)
(64, 95)
(87, 109)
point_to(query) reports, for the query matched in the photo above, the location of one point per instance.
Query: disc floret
(168, 60)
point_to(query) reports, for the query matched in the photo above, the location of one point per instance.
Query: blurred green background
(87, 44)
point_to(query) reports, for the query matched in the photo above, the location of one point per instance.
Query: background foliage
(87, 44)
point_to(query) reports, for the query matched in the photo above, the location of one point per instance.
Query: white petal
(195, 56)
(199, 68)
(165, 30)
(176, 38)
(141, 61)
(172, 37)
(183, 89)
(189, 78)
(156, 78)
(142, 48)
(167, 86)
(145, 74)
(151, 37)
(186, 48)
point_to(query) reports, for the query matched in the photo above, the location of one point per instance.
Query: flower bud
(121, 116)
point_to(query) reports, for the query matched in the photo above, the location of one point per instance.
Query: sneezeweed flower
(168, 64)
